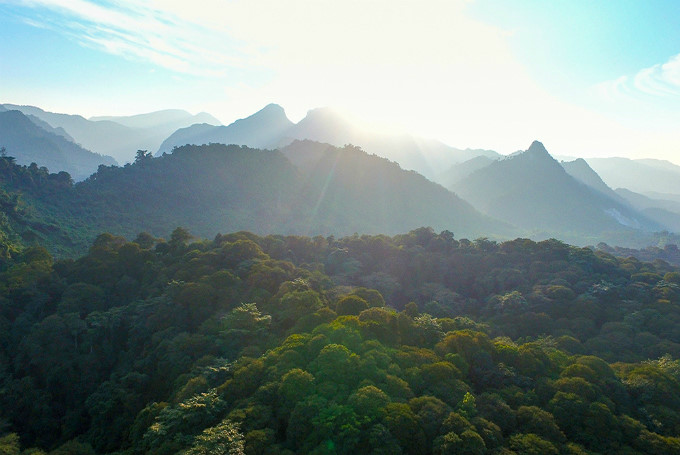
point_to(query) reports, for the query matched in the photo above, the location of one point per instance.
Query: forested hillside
(418, 343)
(217, 188)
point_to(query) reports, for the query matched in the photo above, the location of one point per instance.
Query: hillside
(581, 171)
(29, 143)
(230, 188)
(459, 171)
(413, 344)
(119, 140)
(531, 190)
(347, 190)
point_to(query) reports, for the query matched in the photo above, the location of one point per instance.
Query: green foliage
(149, 347)
(222, 439)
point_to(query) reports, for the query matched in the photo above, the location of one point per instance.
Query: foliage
(249, 344)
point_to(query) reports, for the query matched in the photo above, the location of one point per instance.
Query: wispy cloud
(659, 81)
(140, 30)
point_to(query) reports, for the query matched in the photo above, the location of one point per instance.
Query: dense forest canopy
(417, 343)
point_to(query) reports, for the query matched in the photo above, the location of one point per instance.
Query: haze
(587, 78)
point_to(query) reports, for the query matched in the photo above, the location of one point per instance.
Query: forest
(418, 343)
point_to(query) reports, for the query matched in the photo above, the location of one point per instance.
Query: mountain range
(641, 175)
(119, 137)
(270, 128)
(30, 142)
(293, 178)
(531, 190)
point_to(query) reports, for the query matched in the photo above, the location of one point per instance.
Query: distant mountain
(533, 191)
(640, 176)
(29, 143)
(459, 171)
(580, 170)
(270, 128)
(264, 129)
(166, 118)
(663, 211)
(109, 137)
(47, 127)
(426, 156)
(662, 196)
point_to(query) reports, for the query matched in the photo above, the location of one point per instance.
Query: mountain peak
(271, 113)
(536, 148)
(273, 108)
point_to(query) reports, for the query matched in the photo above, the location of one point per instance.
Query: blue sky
(588, 78)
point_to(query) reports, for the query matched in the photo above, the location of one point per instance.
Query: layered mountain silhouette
(30, 143)
(533, 191)
(270, 128)
(119, 137)
(264, 129)
(581, 171)
(641, 176)
(664, 211)
(459, 171)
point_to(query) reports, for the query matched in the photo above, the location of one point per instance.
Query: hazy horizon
(588, 79)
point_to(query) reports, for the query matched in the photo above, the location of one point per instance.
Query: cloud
(658, 81)
(139, 30)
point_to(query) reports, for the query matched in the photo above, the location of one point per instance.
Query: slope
(459, 171)
(532, 191)
(580, 170)
(217, 188)
(640, 176)
(29, 143)
(270, 128)
(346, 190)
(165, 118)
(109, 137)
(264, 129)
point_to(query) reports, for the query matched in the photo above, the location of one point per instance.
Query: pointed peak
(273, 107)
(537, 147)
(270, 113)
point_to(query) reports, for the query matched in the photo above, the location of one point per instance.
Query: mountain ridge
(533, 191)
(29, 143)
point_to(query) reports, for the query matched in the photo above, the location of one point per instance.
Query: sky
(586, 77)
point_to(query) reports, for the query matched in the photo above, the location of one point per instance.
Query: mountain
(156, 119)
(640, 176)
(29, 143)
(425, 156)
(264, 129)
(270, 128)
(47, 127)
(108, 137)
(580, 170)
(533, 191)
(665, 212)
(459, 171)
(339, 191)
(351, 191)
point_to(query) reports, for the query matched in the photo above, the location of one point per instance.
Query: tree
(142, 156)
(531, 444)
(222, 439)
